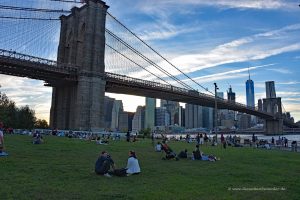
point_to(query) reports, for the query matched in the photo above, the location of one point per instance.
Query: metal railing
(42, 62)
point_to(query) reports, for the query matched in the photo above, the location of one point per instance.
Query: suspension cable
(29, 18)
(159, 54)
(149, 61)
(33, 9)
(136, 63)
(70, 1)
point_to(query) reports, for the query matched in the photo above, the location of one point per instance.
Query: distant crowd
(105, 164)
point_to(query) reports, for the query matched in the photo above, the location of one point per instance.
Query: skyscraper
(193, 116)
(220, 95)
(230, 95)
(270, 90)
(162, 117)
(125, 121)
(138, 120)
(150, 113)
(250, 92)
(115, 115)
(181, 116)
(208, 117)
(172, 108)
(108, 107)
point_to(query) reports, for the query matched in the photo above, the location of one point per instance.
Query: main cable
(159, 54)
(33, 9)
(148, 60)
(29, 18)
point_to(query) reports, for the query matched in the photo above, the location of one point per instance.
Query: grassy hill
(63, 168)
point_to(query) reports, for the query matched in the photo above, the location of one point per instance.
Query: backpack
(120, 172)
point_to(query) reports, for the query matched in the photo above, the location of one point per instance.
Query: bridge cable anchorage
(160, 54)
(137, 64)
(30, 18)
(33, 9)
(148, 60)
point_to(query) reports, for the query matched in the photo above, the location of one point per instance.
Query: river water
(259, 136)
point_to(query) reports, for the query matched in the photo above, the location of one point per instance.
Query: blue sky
(212, 41)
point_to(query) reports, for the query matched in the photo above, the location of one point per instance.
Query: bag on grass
(120, 172)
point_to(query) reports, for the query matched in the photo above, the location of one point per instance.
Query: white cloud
(164, 8)
(227, 75)
(281, 70)
(163, 30)
(255, 47)
(29, 92)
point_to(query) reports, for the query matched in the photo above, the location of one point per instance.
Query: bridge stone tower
(273, 105)
(82, 44)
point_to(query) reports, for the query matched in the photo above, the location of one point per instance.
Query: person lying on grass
(198, 155)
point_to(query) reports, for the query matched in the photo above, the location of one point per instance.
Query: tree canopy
(18, 117)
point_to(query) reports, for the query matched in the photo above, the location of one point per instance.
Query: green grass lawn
(63, 168)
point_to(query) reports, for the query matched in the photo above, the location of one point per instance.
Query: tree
(15, 117)
(41, 123)
(145, 132)
(7, 110)
(26, 118)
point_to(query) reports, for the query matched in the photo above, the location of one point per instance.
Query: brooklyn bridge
(98, 54)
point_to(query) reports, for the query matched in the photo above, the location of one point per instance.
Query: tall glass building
(150, 113)
(250, 93)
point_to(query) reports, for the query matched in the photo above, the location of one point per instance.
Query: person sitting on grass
(170, 154)
(38, 139)
(103, 164)
(196, 153)
(133, 166)
(2, 148)
(158, 147)
(183, 154)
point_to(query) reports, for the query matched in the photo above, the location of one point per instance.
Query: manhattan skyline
(212, 42)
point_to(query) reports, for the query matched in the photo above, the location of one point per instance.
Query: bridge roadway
(53, 73)
(22, 65)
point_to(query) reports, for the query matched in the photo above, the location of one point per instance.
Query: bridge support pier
(274, 127)
(82, 44)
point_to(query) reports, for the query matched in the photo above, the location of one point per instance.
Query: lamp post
(216, 112)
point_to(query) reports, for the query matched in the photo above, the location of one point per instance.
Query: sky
(211, 41)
